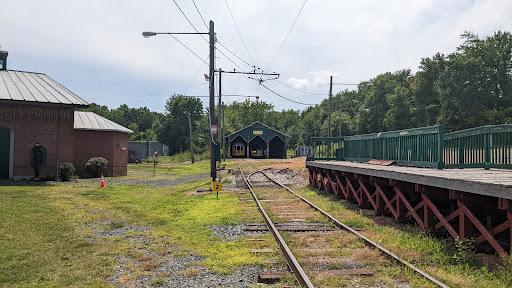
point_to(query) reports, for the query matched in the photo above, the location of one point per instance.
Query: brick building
(36, 109)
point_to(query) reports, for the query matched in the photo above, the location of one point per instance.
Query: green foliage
(468, 88)
(464, 250)
(96, 166)
(66, 171)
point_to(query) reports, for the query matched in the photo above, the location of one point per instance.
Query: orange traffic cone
(169, 167)
(102, 181)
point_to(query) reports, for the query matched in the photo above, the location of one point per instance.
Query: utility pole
(213, 173)
(330, 112)
(191, 140)
(340, 119)
(219, 141)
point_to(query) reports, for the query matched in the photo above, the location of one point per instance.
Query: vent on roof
(3, 60)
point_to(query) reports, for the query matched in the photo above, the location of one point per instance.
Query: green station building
(257, 141)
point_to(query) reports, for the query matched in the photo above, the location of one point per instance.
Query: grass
(202, 167)
(47, 236)
(40, 245)
(433, 255)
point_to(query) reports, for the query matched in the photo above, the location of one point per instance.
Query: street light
(211, 33)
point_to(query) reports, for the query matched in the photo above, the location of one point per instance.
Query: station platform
(464, 203)
(489, 182)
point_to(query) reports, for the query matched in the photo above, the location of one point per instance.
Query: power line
(239, 33)
(287, 35)
(345, 84)
(229, 59)
(323, 94)
(148, 95)
(187, 17)
(202, 65)
(234, 54)
(200, 15)
(223, 95)
(285, 97)
(189, 49)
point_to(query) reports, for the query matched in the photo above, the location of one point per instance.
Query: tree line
(470, 87)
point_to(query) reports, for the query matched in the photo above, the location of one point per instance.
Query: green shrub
(95, 166)
(66, 171)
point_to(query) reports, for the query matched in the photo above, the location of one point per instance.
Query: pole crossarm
(247, 73)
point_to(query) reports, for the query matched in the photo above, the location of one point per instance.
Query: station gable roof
(258, 129)
(31, 87)
(92, 121)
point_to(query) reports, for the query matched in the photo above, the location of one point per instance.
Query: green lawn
(47, 236)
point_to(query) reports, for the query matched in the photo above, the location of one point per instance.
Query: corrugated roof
(92, 121)
(35, 87)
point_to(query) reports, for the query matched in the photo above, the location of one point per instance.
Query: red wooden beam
(471, 217)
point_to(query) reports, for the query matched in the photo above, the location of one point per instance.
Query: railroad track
(318, 231)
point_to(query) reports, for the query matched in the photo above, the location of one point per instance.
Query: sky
(95, 47)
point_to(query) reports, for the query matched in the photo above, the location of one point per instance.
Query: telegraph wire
(285, 97)
(287, 35)
(239, 33)
(323, 94)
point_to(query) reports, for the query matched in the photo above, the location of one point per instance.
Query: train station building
(257, 141)
(35, 110)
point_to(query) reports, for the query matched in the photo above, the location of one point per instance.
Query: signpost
(217, 186)
(155, 160)
(214, 129)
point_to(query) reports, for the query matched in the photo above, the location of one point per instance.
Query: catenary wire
(234, 54)
(285, 97)
(323, 94)
(239, 33)
(287, 35)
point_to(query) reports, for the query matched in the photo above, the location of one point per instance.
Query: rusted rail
(292, 262)
(368, 241)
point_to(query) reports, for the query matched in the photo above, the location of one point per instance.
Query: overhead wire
(189, 49)
(193, 78)
(148, 95)
(200, 14)
(285, 97)
(323, 94)
(287, 35)
(239, 33)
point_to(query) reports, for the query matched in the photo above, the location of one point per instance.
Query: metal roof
(248, 132)
(36, 88)
(92, 121)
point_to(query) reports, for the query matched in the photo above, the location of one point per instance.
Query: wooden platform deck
(492, 182)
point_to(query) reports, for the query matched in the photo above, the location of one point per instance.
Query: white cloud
(96, 46)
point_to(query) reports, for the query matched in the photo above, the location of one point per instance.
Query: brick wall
(50, 126)
(90, 144)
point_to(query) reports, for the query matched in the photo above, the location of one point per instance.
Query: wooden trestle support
(460, 214)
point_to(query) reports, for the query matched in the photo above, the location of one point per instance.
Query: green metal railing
(482, 147)
(324, 148)
(420, 147)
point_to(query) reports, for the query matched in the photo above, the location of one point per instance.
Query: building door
(5, 142)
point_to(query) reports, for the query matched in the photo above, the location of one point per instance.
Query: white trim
(11, 154)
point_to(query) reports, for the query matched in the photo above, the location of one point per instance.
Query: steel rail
(367, 240)
(293, 264)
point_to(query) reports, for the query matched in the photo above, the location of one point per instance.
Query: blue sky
(95, 47)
